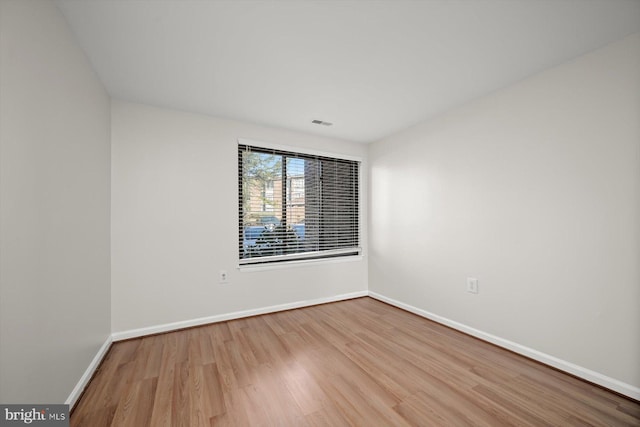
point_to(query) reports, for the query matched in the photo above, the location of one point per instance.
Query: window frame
(279, 261)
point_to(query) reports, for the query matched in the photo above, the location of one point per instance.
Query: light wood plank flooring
(356, 362)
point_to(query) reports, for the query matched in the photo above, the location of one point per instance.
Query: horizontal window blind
(295, 206)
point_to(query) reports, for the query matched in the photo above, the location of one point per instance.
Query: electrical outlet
(223, 277)
(472, 285)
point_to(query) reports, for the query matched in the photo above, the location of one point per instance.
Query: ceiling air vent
(320, 122)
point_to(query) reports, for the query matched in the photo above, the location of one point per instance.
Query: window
(295, 206)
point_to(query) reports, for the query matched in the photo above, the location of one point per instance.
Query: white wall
(534, 190)
(54, 200)
(175, 216)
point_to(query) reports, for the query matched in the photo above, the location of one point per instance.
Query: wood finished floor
(356, 362)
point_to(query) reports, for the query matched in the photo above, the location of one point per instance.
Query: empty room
(320, 213)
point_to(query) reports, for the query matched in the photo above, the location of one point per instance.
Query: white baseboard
(88, 373)
(579, 371)
(167, 327)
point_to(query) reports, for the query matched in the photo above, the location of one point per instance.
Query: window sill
(298, 263)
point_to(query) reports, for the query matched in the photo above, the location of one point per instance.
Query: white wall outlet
(472, 285)
(223, 277)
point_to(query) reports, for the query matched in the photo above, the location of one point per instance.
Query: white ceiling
(370, 67)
